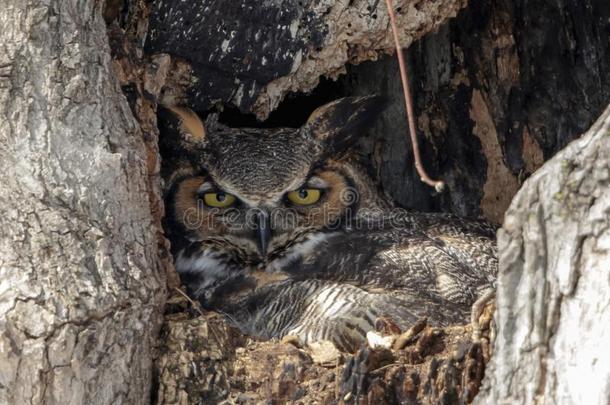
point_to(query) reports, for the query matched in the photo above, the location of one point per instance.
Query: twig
(385, 367)
(438, 185)
(193, 303)
(197, 307)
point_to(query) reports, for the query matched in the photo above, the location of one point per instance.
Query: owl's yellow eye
(218, 199)
(304, 196)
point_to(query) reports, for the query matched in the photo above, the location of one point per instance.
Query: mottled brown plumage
(281, 230)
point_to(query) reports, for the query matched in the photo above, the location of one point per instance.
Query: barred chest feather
(334, 285)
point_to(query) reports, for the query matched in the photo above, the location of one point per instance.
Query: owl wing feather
(418, 264)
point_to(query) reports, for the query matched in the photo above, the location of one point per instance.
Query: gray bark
(81, 288)
(553, 296)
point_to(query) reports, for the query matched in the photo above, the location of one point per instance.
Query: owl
(282, 231)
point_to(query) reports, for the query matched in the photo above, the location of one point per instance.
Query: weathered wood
(553, 316)
(251, 55)
(498, 90)
(205, 361)
(81, 286)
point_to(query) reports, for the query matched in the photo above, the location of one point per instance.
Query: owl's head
(256, 191)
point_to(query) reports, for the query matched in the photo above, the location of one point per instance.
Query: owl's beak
(263, 232)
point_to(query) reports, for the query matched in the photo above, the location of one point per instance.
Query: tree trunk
(81, 285)
(82, 258)
(553, 315)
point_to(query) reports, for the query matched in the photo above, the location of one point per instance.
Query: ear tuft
(189, 122)
(338, 123)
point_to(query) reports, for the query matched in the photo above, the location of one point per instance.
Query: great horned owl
(282, 231)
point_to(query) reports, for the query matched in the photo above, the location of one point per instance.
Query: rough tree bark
(252, 54)
(553, 294)
(81, 286)
(498, 90)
